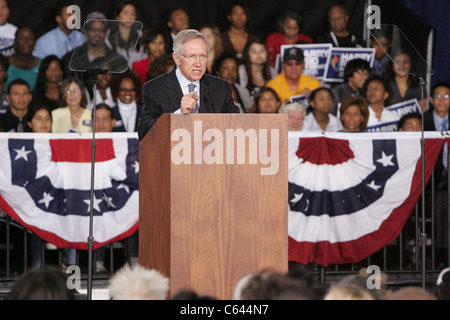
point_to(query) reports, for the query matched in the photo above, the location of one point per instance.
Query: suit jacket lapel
(205, 96)
(174, 92)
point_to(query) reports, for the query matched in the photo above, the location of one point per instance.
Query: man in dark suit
(171, 92)
(437, 119)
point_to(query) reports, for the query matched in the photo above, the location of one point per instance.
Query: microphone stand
(90, 239)
(423, 235)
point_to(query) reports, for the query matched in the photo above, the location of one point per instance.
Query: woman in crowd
(403, 85)
(320, 117)
(74, 117)
(48, 90)
(123, 36)
(163, 64)
(227, 69)
(154, 43)
(266, 101)
(212, 35)
(236, 38)
(288, 33)
(354, 114)
(255, 70)
(22, 64)
(127, 93)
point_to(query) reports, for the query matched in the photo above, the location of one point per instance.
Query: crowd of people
(43, 90)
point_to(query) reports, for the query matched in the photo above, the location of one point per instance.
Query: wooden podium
(209, 216)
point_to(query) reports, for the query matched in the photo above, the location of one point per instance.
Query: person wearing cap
(296, 114)
(291, 82)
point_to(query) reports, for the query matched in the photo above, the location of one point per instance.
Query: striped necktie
(192, 88)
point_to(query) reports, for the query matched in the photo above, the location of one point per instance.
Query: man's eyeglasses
(441, 96)
(194, 57)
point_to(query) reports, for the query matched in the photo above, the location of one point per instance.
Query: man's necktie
(20, 126)
(445, 153)
(192, 88)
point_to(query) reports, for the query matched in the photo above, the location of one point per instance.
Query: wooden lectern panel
(214, 223)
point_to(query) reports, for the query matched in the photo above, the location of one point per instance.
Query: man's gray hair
(185, 36)
(292, 106)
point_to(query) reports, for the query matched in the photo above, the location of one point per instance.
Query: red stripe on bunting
(324, 151)
(325, 253)
(80, 150)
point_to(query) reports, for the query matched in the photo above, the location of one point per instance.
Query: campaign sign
(316, 57)
(300, 98)
(338, 59)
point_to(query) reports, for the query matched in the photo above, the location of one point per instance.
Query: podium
(213, 199)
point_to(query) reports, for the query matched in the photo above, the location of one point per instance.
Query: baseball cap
(293, 53)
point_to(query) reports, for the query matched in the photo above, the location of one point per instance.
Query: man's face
(376, 93)
(19, 98)
(441, 100)
(192, 60)
(95, 33)
(412, 124)
(295, 120)
(103, 121)
(338, 19)
(380, 46)
(293, 69)
(358, 78)
(4, 12)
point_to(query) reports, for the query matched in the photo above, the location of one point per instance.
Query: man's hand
(188, 102)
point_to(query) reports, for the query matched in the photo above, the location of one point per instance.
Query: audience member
(154, 43)
(74, 117)
(382, 45)
(377, 93)
(437, 119)
(61, 39)
(103, 92)
(291, 82)
(138, 283)
(412, 293)
(356, 72)
(410, 122)
(404, 85)
(296, 114)
(212, 35)
(128, 97)
(22, 64)
(161, 65)
(289, 27)
(347, 292)
(320, 118)
(104, 122)
(191, 295)
(254, 72)
(177, 20)
(4, 65)
(339, 35)
(123, 36)
(227, 69)
(266, 101)
(48, 283)
(354, 114)
(236, 38)
(270, 286)
(88, 56)
(19, 97)
(443, 285)
(48, 90)
(7, 31)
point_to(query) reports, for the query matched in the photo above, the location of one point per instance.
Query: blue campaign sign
(409, 106)
(316, 57)
(338, 59)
